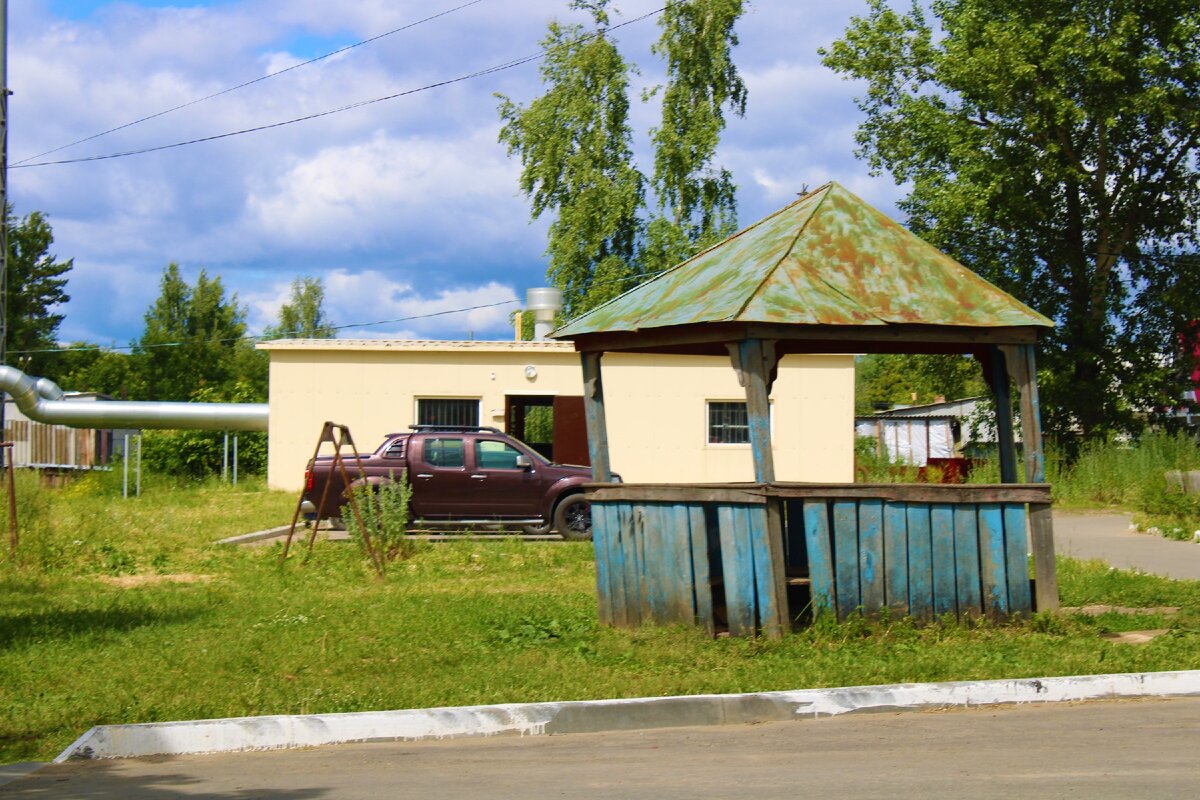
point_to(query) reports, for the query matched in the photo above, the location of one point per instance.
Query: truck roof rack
(456, 428)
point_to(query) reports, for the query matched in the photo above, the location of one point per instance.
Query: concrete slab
(529, 719)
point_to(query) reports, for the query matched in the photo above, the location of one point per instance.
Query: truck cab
(465, 475)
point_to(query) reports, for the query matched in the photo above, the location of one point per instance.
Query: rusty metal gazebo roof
(827, 272)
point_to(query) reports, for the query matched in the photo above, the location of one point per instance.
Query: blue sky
(402, 208)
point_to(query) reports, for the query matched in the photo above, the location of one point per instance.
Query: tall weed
(1117, 474)
(384, 524)
(86, 527)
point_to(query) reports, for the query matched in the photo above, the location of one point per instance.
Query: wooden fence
(703, 554)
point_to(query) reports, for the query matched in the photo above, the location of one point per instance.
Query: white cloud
(406, 205)
(371, 304)
(363, 190)
(371, 296)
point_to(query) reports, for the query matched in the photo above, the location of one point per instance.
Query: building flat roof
(410, 345)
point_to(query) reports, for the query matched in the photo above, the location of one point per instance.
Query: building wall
(656, 405)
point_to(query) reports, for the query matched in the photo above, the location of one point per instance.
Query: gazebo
(826, 274)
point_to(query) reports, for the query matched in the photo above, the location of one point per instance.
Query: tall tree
(303, 316)
(889, 379)
(194, 339)
(36, 287)
(83, 367)
(696, 200)
(576, 158)
(1048, 144)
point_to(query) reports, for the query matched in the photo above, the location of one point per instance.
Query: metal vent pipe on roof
(41, 400)
(545, 303)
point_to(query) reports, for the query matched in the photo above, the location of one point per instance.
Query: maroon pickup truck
(464, 476)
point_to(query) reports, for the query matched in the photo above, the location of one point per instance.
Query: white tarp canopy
(910, 440)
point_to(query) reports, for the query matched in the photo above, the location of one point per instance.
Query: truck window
(445, 452)
(395, 449)
(495, 455)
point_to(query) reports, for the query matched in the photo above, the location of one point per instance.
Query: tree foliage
(577, 158)
(303, 316)
(194, 339)
(574, 143)
(200, 453)
(1051, 146)
(36, 288)
(696, 200)
(84, 367)
(886, 379)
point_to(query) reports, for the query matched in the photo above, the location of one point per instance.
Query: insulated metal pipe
(40, 399)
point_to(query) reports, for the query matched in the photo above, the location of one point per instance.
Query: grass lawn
(123, 611)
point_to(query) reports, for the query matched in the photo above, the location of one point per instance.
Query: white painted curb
(529, 719)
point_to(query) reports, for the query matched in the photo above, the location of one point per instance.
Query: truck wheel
(573, 518)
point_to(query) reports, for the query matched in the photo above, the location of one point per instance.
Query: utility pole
(3, 209)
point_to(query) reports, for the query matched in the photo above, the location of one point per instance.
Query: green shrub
(384, 525)
(198, 454)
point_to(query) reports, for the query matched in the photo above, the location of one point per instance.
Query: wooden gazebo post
(756, 363)
(593, 406)
(1022, 368)
(1016, 363)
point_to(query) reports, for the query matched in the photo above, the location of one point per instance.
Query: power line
(349, 107)
(248, 83)
(263, 337)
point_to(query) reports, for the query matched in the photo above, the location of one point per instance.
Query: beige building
(671, 419)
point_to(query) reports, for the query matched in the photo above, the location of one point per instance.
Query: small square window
(728, 423)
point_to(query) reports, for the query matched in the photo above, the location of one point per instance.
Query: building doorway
(555, 426)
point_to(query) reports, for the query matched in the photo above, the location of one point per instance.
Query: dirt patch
(130, 581)
(1135, 637)
(1097, 610)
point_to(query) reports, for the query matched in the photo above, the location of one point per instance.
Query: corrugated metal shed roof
(828, 259)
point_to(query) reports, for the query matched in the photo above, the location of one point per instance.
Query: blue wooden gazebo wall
(708, 560)
(660, 562)
(920, 559)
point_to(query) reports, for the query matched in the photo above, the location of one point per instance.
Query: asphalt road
(1107, 537)
(1099, 750)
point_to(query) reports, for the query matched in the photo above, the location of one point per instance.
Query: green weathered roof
(828, 259)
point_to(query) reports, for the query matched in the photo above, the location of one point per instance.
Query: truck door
(499, 486)
(440, 479)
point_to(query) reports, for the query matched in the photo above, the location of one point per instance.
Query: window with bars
(441, 411)
(728, 423)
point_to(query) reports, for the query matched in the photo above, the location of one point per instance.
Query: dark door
(440, 479)
(530, 418)
(570, 431)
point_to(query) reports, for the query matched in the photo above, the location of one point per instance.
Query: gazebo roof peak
(827, 259)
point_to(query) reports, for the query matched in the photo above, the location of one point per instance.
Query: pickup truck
(463, 476)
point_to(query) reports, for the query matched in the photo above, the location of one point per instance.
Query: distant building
(40, 446)
(915, 434)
